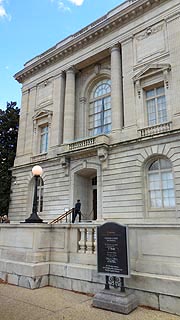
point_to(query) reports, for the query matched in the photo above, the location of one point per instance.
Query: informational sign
(112, 249)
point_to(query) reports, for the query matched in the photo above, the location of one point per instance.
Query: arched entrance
(85, 189)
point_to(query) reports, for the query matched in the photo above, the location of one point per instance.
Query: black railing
(62, 216)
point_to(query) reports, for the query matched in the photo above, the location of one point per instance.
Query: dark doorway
(95, 204)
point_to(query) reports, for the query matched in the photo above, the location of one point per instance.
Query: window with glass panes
(44, 139)
(100, 108)
(161, 184)
(156, 105)
(40, 191)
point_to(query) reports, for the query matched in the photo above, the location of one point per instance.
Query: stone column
(58, 112)
(29, 123)
(22, 123)
(116, 89)
(69, 106)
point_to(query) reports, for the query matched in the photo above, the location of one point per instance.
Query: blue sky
(29, 27)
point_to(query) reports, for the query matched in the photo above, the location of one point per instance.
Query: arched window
(100, 108)
(40, 191)
(161, 184)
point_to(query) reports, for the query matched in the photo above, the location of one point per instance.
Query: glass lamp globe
(37, 171)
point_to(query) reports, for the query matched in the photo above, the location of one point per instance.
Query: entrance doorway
(95, 204)
(85, 189)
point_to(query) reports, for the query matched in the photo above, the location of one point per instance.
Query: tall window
(44, 139)
(40, 191)
(156, 105)
(100, 108)
(161, 184)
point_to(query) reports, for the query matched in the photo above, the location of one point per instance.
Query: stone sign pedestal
(121, 302)
(113, 262)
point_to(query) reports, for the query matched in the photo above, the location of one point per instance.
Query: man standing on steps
(77, 211)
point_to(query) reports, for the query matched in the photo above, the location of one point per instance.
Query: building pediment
(151, 70)
(42, 114)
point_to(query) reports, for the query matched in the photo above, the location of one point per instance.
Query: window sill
(161, 213)
(161, 209)
(39, 157)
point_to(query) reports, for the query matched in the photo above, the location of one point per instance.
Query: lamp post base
(33, 221)
(34, 218)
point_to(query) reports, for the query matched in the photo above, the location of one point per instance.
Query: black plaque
(112, 249)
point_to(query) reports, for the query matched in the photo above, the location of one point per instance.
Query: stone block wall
(34, 256)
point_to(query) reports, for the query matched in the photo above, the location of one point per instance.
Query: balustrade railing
(155, 129)
(82, 144)
(85, 233)
(89, 142)
(87, 242)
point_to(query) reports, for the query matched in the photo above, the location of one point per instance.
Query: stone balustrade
(156, 129)
(88, 142)
(87, 242)
(82, 144)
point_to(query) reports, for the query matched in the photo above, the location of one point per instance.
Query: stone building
(101, 115)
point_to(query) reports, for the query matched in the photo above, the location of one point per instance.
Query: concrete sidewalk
(57, 304)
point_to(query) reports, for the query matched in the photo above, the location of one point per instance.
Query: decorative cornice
(152, 69)
(42, 114)
(149, 71)
(87, 35)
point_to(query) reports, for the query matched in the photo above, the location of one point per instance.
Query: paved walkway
(56, 304)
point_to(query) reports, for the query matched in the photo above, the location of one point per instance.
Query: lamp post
(34, 218)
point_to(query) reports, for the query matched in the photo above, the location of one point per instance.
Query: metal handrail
(88, 215)
(61, 217)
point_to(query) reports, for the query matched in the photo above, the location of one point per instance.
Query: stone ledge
(169, 304)
(157, 284)
(24, 269)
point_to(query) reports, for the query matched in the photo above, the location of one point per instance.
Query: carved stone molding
(149, 71)
(103, 156)
(150, 31)
(166, 77)
(83, 100)
(65, 163)
(97, 68)
(43, 116)
(84, 37)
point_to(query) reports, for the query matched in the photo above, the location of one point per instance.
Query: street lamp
(34, 218)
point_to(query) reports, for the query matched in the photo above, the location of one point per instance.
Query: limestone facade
(100, 113)
(135, 48)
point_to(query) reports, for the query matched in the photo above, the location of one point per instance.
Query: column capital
(115, 47)
(71, 70)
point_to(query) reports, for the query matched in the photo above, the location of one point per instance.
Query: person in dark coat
(77, 211)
